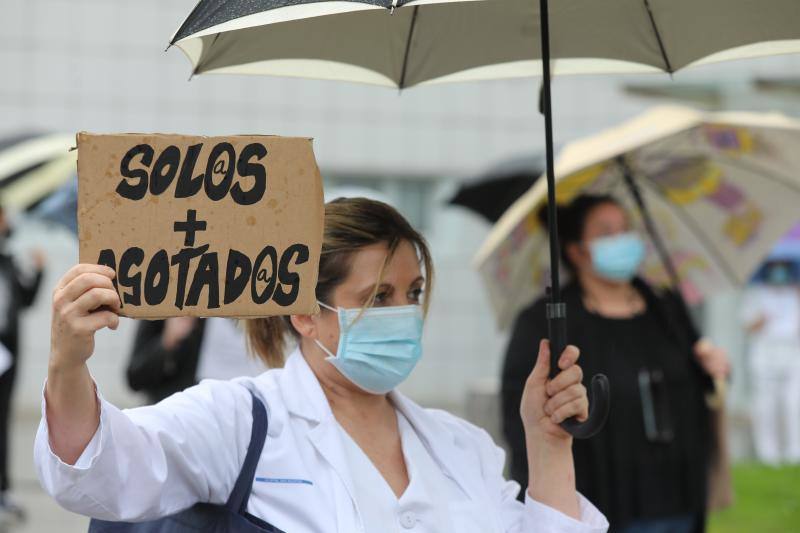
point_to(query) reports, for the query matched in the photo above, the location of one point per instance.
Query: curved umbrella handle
(601, 388)
(598, 410)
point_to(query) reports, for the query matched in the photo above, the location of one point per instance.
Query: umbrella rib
(756, 169)
(695, 229)
(413, 25)
(658, 37)
(200, 62)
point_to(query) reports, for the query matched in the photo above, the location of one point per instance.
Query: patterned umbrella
(722, 189)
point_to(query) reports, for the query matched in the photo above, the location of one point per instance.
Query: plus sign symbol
(190, 226)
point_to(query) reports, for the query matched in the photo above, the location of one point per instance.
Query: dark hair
(572, 220)
(350, 225)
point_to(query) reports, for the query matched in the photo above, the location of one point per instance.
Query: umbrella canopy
(789, 245)
(722, 188)
(402, 43)
(32, 166)
(493, 192)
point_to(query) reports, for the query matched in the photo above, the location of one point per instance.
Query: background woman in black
(645, 475)
(165, 355)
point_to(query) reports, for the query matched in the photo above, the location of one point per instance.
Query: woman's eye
(415, 295)
(380, 298)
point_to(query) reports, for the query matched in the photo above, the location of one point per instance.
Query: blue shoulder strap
(237, 502)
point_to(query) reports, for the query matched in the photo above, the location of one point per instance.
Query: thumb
(542, 369)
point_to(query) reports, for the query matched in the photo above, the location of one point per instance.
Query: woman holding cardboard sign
(344, 452)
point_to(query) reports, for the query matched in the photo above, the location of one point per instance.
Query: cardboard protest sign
(202, 226)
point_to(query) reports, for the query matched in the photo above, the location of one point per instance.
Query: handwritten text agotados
(223, 275)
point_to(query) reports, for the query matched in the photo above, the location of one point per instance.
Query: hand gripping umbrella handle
(601, 401)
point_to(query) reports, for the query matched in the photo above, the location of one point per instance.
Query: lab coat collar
(302, 393)
(303, 396)
(445, 447)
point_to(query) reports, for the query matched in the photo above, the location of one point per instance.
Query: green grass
(767, 501)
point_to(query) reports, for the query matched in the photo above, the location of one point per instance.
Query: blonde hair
(350, 225)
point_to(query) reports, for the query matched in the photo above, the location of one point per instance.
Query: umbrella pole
(546, 105)
(652, 230)
(649, 224)
(556, 308)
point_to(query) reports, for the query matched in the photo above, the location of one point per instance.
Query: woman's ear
(305, 325)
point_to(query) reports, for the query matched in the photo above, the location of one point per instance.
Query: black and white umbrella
(405, 43)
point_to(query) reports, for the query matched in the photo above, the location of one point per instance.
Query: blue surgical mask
(378, 346)
(779, 275)
(617, 258)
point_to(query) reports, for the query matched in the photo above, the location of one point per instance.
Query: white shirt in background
(774, 358)
(224, 354)
(778, 305)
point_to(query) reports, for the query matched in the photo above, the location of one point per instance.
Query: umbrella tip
(169, 45)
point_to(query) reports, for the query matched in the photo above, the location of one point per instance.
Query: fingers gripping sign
(84, 301)
(548, 402)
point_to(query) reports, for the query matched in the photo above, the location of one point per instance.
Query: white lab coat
(153, 461)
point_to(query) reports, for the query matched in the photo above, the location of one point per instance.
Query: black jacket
(21, 293)
(619, 470)
(159, 372)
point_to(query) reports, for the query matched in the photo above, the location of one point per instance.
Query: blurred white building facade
(72, 65)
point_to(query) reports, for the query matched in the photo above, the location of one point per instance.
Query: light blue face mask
(779, 275)
(618, 257)
(378, 346)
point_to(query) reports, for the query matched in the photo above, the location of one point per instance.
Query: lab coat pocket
(471, 517)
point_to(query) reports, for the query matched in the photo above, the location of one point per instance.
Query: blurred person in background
(164, 357)
(171, 355)
(647, 469)
(18, 288)
(771, 313)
